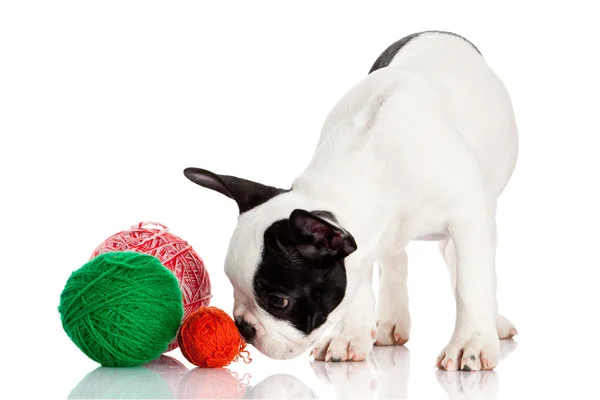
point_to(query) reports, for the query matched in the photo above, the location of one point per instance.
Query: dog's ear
(318, 239)
(247, 194)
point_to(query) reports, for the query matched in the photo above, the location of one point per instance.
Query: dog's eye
(278, 301)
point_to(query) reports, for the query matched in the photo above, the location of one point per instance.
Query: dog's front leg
(352, 338)
(474, 345)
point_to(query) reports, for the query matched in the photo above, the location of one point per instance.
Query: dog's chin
(279, 348)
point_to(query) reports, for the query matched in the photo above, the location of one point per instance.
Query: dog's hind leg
(505, 328)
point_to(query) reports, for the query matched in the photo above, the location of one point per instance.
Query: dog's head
(286, 265)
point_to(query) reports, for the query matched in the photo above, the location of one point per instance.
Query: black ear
(247, 194)
(318, 239)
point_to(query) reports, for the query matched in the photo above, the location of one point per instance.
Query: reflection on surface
(158, 379)
(280, 386)
(391, 368)
(167, 378)
(384, 375)
(469, 385)
(474, 385)
(212, 383)
(220, 383)
(386, 372)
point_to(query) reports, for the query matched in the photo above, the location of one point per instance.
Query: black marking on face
(247, 331)
(303, 264)
(388, 55)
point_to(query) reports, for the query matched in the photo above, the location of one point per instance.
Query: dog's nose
(246, 330)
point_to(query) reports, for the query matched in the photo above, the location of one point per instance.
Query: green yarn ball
(122, 309)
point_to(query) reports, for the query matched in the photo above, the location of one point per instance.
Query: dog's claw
(351, 354)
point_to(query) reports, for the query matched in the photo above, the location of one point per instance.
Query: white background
(103, 104)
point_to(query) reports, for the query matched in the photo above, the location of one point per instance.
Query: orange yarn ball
(209, 338)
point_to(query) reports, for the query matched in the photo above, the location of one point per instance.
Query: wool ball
(174, 253)
(121, 309)
(209, 338)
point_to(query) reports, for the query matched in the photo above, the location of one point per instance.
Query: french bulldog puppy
(420, 149)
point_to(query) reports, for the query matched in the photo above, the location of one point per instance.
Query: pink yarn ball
(174, 253)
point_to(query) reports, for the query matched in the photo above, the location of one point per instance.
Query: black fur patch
(326, 214)
(246, 193)
(313, 288)
(387, 56)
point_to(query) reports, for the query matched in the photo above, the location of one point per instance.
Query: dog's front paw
(395, 331)
(473, 351)
(345, 346)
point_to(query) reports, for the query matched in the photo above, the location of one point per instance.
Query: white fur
(420, 149)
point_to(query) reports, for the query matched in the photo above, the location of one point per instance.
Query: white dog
(418, 150)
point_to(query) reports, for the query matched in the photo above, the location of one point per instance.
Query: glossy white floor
(388, 373)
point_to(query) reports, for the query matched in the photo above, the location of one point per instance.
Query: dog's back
(386, 58)
(478, 102)
(461, 88)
